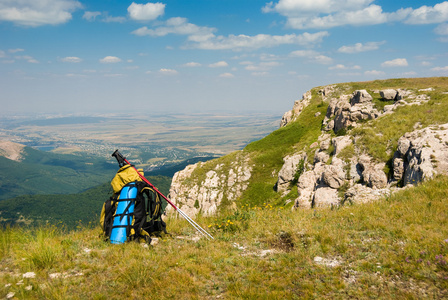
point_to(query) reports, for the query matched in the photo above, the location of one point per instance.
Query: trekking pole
(123, 161)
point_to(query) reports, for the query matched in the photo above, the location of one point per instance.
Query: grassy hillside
(376, 137)
(393, 248)
(64, 210)
(48, 173)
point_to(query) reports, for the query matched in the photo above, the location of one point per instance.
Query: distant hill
(39, 172)
(65, 210)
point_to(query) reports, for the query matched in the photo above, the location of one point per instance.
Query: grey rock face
(344, 112)
(207, 195)
(288, 171)
(421, 154)
(388, 94)
(360, 97)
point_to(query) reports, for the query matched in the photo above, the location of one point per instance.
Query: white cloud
(203, 37)
(110, 60)
(343, 67)
(260, 73)
(370, 15)
(177, 26)
(2, 54)
(440, 69)
(429, 14)
(359, 47)
(110, 19)
(240, 42)
(297, 7)
(71, 59)
(302, 14)
(374, 73)
(442, 29)
(192, 64)
(168, 72)
(262, 66)
(312, 56)
(27, 58)
(146, 12)
(226, 75)
(303, 53)
(37, 13)
(15, 50)
(398, 62)
(91, 15)
(219, 64)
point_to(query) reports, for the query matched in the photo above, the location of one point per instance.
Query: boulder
(321, 156)
(305, 187)
(288, 171)
(421, 154)
(360, 193)
(342, 121)
(360, 96)
(388, 94)
(340, 142)
(372, 174)
(333, 176)
(325, 196)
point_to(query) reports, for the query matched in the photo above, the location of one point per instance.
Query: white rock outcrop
(206, 195)
(298, 107)
(421, 154)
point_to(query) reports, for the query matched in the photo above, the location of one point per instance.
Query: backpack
(134, 210)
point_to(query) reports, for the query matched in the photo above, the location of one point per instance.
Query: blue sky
(207, 55)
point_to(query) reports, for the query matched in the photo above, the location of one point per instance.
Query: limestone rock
(207, 195)
(388, 94)
(360, 96)
(325, 196)
(360, 193)
(373, 174)
(421, 154)
(333, 176)
(288, 171)
(321, 156)
(340, 142)
(344, 112)
(287, 116)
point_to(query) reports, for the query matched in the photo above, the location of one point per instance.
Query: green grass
(396, 247)
(377, 137)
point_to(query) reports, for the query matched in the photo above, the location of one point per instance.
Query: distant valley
(150, 140)
(58, 168)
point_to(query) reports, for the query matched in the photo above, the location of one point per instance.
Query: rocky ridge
(332, 170)
(224, 182)
(331, 179)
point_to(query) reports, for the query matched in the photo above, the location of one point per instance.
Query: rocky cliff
(341, 143)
